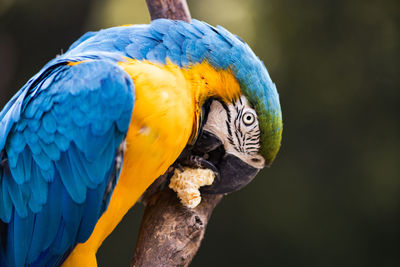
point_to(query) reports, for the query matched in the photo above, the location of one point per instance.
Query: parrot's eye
(248, 118)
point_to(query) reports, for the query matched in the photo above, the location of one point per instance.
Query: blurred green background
(332, 196)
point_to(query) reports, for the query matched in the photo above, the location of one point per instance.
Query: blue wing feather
(60, 137)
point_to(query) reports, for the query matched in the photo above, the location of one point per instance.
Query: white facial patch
(236, 125)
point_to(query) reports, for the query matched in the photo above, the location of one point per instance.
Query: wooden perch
(170, 234)
(169, 9)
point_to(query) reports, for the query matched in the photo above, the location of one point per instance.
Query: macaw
(85, 137)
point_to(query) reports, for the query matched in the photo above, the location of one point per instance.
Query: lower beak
(231, 173)
(234, 174)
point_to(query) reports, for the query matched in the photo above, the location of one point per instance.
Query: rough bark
(170, 234)
(171, 9)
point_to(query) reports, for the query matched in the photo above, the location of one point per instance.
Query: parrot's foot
(196, 162)
(81, 258)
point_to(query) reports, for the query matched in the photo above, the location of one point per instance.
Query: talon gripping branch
(85, 137)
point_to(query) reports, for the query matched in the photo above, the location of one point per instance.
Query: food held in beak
(186, 184)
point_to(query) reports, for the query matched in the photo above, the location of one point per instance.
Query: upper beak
(234, 174)
(231, 173)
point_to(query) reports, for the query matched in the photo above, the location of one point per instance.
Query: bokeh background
(332, 196)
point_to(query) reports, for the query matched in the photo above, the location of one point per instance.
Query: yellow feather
(165, 119)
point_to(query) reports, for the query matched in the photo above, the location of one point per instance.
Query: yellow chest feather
(165, 119)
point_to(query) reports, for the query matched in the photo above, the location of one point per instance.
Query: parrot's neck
(208, 82)
(199, 81)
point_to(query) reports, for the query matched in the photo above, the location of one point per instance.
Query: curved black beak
(231, 173)
(234, 174)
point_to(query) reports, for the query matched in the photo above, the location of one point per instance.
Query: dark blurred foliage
(332, 196)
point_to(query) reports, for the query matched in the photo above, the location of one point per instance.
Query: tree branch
(169, 9)
(170, 234)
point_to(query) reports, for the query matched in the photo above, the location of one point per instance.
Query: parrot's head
(238, 138)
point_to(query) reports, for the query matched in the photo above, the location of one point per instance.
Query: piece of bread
(187, 183)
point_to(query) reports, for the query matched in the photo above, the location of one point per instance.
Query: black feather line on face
(228, 112)
(238, 121)
(237, 124)
(253, 144)
(231, 141)
(257, 135)
(240, 148)
(228, 126)
(253, 128)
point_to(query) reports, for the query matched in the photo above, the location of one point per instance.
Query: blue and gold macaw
(85, 137)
